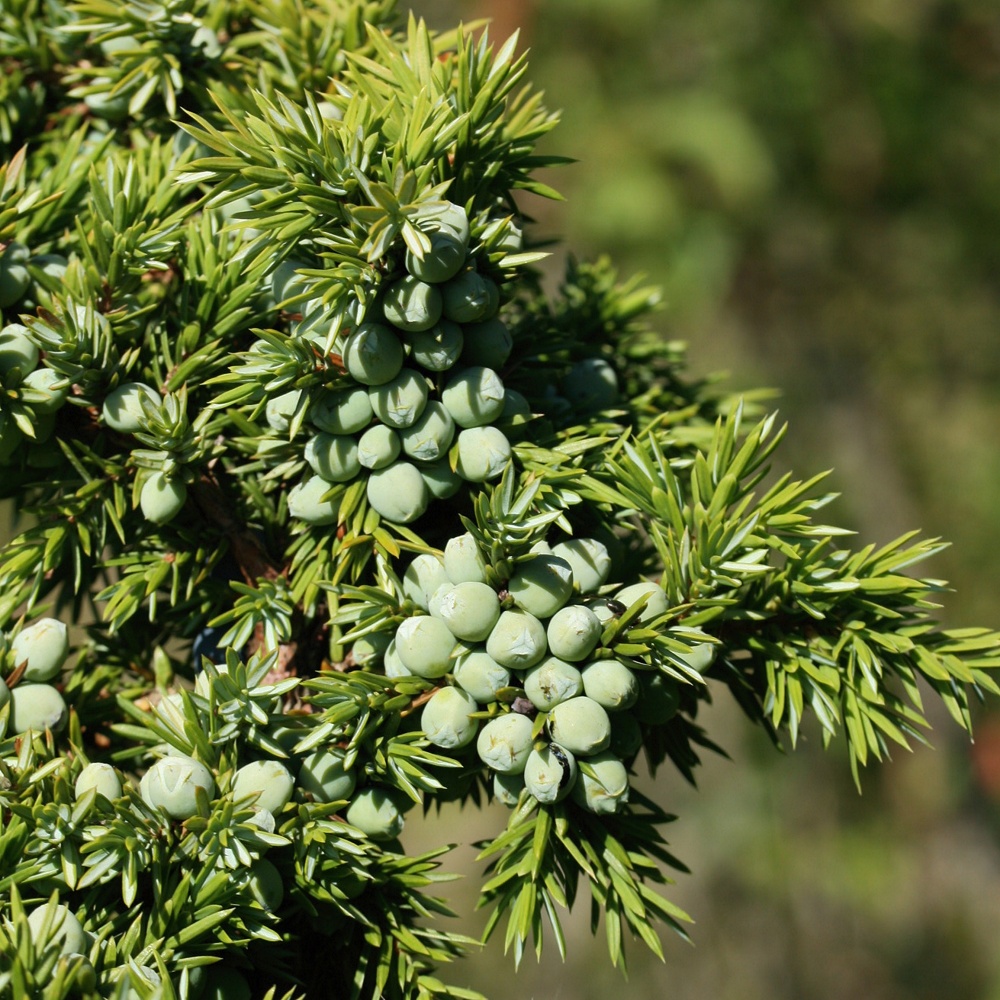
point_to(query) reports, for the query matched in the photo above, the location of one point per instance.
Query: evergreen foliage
(347, 516)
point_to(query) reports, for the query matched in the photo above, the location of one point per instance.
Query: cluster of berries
(36, 656)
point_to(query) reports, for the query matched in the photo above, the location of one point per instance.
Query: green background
(816, 186)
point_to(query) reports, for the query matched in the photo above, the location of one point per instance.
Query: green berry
(333, 457)
(38, 707)
(172, 783)
(659, 699)
(552, 681)
(401, 401)
(517, 640)
(611, 684)
(17, 349)
(449, 217)
(483, 452)
(411, 304)
(378, 447)
(423, 576)
(305, 501)
(430, 436)
(323, 776)
(467, 298)
(370, 649)
(463, 559)
(48, 392)
(286, 282)
(398, 492)
(393, 665)
(474, 397)
(581, 725)
(443, 261)
(541, 584)
(14, 276)
(103, 778)
(589, 560)
(505, 742)
(700, 656)
(573, 632)
(425, 645)
(470, 610)
(438, 348)
(447, 718)
(266, 885)
(376, 813)
(549, 773)
(656, 605)
(45, 646)
(479, 674)
(62, 926)
(604, 790)
(161, 499)
(373, 354)
(281, 410)
(268, 782)
(125, 408)
(442, 481)
(507, 788)
(345, 412)
(487, 344)
(591, 386)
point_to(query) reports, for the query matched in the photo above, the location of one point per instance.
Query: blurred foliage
(817, 186)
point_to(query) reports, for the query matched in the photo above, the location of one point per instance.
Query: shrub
(334, 513)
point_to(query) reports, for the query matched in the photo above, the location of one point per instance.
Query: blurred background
(816, 186)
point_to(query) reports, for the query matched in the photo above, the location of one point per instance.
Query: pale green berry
(517, 640)
(589, 560)
(479, 674)
(601, 610)
(605, 789)
(281, 410)
(483, 452)
(63, 927)
(110, 107)
(378, 447)
(443, 261)
(626, 736)
(45, 646)
(659, 699)
(287, 283)
(305, 501)
(611, 684)
(373, 354)
(580, 725)
(549, 773)
(429, 437)
(376, 813)
(162, 499)
(268, 782)
(507, 788)
(411, 304)
(4, 693)
(370, 649)
(425, 645)
(400, 401)
(14, 276)
(487, 344)
(470, 610)
(449, 217)
(463, 559)
(447, 718)
(266, 884)
(393, 665)
(474, 397)
(333, 457)
(172, 784)
(541, 584)
(323, 776)
(438, 348)
(398, 492)
(591, 385)
(467, 298)
(103, 778)
(442, 481)
(49, 390)
(700, 656)
(434, 603)
(423, 576)
(655, 606)
(511, 238)
(344, 412)
(573, 632)
(552, 681)
(125, 408)
(38, 707)
(505, 742)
